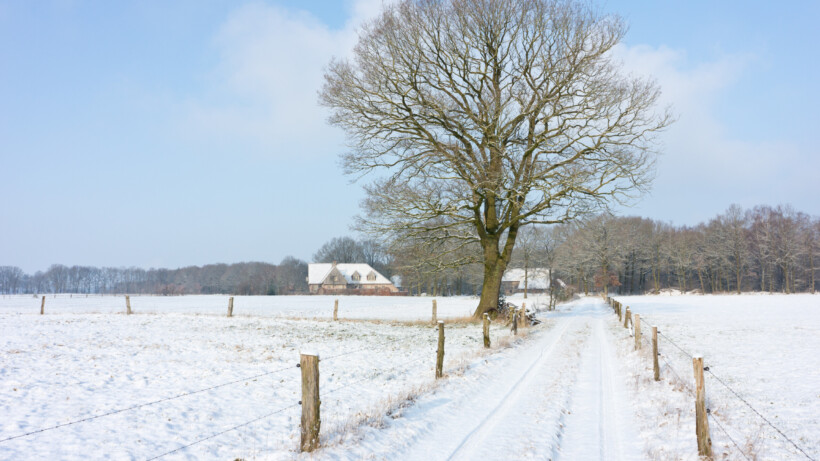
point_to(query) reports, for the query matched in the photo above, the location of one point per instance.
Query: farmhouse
(537, 280)
(352, 279)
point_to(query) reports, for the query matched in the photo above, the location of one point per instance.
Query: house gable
(334, 277)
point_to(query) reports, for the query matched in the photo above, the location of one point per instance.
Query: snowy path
(558, 396)
(600, 424)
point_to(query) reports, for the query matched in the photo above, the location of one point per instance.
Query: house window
(356, 277)
(371, 277)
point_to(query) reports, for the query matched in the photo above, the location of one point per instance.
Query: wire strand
(759, 414)
(736, 395)
(217, 434)
(371, 347)
(134, 407)
(720, 426)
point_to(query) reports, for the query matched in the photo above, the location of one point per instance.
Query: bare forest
(768, 249)
(253, 278)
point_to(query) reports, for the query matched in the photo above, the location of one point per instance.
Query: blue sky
(165, 134)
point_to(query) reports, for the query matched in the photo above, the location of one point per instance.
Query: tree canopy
(478, 117)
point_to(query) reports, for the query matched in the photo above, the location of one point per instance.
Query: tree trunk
(739, 274)
(495, 263)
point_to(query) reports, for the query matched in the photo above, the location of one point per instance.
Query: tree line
(764, 249)
(770, 249)
(247, 278)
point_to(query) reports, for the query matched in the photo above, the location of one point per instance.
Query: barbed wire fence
(713, 417)
(374, 372)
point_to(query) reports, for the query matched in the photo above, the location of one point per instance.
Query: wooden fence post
(230, 306)
(523, 315)
(701, 420)
(627, 317)
(637, 322)
(435, 314)
(311, 420)
(440, 352)
(43, 306)
(486, 330)
(127, 304)
(515, 322)
(336, 310)
(655, 365)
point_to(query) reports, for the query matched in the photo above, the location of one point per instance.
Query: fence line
(370, 376)
(247, 423)
(758, 413)
(736, 394)
(141, 405)
(372, 346)
(217, 434)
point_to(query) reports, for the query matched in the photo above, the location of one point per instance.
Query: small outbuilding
(535, 279)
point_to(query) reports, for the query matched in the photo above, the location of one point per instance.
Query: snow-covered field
(85, 358)
(184, 374)
(766, 348)
(320, 307)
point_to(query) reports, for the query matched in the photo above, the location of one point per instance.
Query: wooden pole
(311, 420)
(336, 310)
(655, 365)
(637, 323)
(627, 317)
(43, 306)
(486, 330)
(127, 304)
(230, 306)
(515, 323)
(435, 314)
(440, 352)
(523, 315)
(701, 419)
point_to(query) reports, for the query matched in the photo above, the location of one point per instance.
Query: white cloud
(263, 93)
(704, 164)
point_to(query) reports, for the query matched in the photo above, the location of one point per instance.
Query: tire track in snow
(598, 423)
(471, 442)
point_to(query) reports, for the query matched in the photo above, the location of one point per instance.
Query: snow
(85, 357)
(570, 388)
(320, 307)
(549, 398)
(537, 278)
(766, 348)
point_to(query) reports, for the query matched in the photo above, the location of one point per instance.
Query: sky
(168, 134)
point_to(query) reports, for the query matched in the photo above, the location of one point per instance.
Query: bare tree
(340, 249)
(493, 114)
(602, 246)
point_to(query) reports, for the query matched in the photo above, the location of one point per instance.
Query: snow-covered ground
(574, 388)
(320, 307)
(85, 358)
(766, 348)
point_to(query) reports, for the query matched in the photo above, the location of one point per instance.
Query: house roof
(538, 278)
(317, 272)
